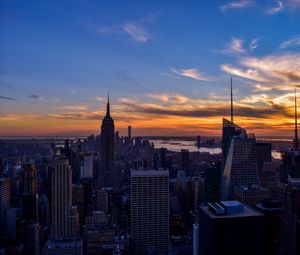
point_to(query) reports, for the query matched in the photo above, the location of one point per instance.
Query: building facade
(150, 212)
(61, 200)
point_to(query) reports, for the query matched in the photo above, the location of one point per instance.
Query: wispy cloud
(197, 108)
(76, 116)
(34, 96)
(250, 74)
(7, 98)
(169, 97)
(294, 4)
(238, 45)
(254, 44)
(77, 107)
(100, 99)
(294, 41)
(274, 10)
(190, 73)
(280, 6)
(136, 31)
(9, 117)
(242, 4)
(273, 70)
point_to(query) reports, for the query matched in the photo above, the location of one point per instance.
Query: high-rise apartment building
(150, 212)
(61, 200)
(4, 200)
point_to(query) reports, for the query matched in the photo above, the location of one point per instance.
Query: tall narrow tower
(129, 133)
(231, 101)
(296, 123)
(107, 170)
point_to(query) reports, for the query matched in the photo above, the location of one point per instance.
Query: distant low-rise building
(64, 247)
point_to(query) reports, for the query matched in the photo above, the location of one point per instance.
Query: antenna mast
(296, 123)
(231, 98)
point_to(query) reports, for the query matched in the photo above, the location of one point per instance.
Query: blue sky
(60, 58)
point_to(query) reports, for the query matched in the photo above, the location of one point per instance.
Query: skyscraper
(290, 175)
(230, 227)
(1, 167)
(291, 158)
(212, 182)
(30, 178)
(107, 166)
(272, 210)
(4, 200)
(129, 133)
(240, 167)
(185, 161)
(291, 218)
(239, 158)
(196, 249)
(150, 211)
(88, 166)
(61, 203)
(229, 131)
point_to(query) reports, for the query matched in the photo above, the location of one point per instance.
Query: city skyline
(166, 65)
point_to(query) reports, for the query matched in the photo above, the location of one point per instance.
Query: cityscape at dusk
(167, 66)
(134, 127)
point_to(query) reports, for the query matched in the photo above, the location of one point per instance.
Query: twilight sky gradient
(166, 64)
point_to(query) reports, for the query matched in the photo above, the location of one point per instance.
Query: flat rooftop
(250, 188)
(151, 172)
(247, 212)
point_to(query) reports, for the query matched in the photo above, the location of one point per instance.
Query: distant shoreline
(166, 138)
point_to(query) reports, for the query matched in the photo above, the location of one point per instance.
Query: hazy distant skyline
(166, 64)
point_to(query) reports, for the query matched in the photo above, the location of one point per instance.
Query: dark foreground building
(230, 227)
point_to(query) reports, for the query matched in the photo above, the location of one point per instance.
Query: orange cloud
(173, 114)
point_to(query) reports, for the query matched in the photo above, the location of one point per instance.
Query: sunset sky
(166, 64)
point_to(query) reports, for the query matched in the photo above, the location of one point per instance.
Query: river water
(178, 145)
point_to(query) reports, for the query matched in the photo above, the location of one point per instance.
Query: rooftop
(150, 172)
(251, 188)
(240, 210)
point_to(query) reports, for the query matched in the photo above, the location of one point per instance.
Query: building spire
(231, 100)
(296, 123)
(107, 106)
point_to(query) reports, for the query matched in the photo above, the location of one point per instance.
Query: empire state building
(107, 170)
